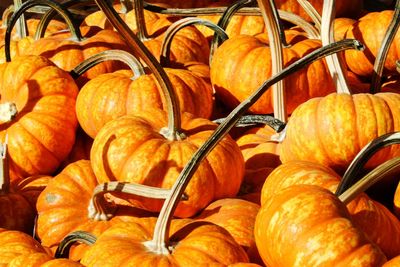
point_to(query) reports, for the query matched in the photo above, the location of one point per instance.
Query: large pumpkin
(306, 225)
(132, 149)
(333, 129)
(241, 64)
(41, 128)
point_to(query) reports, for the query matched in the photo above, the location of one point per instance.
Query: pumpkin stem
(174, 117)
(252, 120)
(66, 15)
(311, 31)
(6, 16)
(4, 172)
(312, 12)
(384, 50)
(358, 163)
(8, 111)
(52, 12)
(180, 24)
(22, 28)
(275, 34)
(66, 244)
(120, 55)
(99, 208)
(140, 21)
(126, 6)
(335, 67)
(160, 239)
(370, 179)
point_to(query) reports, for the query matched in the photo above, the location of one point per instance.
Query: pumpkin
(112, 95)
(300, 215)
(237, 71)
(315, 128)
(32, 186)
(371, 33)
(43, 121)
(63, 207)
(195, 244)
(393, 262)
(131, 149)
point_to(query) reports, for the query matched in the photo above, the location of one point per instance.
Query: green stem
(77, 236)
(175, 27)
(174, 117)
(30, 3)
(384, 50)
(358, 163)
(107, 55)
(160, 238)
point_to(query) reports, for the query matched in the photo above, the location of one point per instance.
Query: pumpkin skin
(368, 215)
(112, 95)
(242, 63)
(371, 34)
(45, 125)
(131, 149)
(195, 244)
(306, 225)
(315, 128)
(32, 186)
(63, 207)
(393, 262)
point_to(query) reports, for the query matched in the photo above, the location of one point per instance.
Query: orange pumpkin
(132, 149)
(43, 119)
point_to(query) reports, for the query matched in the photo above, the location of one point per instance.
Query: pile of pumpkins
(146, 133)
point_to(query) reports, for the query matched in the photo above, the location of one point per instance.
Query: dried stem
(30, 3)
(107, 55)
(140, 21)
(174, 117)
(175, 27)
(4, 171)
(335, 67)
(252, 120)
(66, 244)
(22, 28)
(312, 12)
(160, 238)
(358, 163)
(6, 16)
(384, 50)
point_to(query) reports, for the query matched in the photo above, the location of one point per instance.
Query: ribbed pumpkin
(63, 207)
(42, 132)
(393, 262)
(112, 95)
(195, 244)
(241, 64)
(131, 149)
(306, 225)
(333, 129)
(370, 30)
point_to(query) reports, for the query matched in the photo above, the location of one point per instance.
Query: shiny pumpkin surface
(241, 64)
(16, 212)
(131, 149)
(333, 129)
(112, 95)
(306, 225)
(43, 132)
(192, 244)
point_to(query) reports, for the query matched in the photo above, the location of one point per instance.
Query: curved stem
(99, 208)
(51, 13)
(6, 16)
(77, 236)
(4, 171)
(384, 50)
(312, 32)
(175, 27)
(269, 13)
(30, 3)
(252, 120)
(140, 21)
(126, 6)
(120, 55)
(160, 237)
(312, 12)
(362, 158)
(335, 67)
(22, 29)
(370, 179)
(174, 116)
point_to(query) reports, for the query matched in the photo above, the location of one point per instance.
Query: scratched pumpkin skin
(331, 130)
